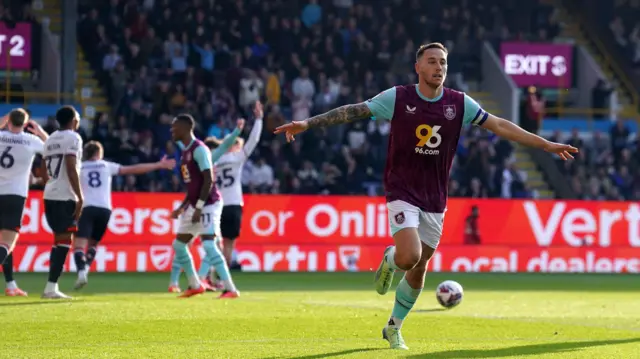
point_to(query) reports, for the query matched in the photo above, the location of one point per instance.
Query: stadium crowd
(624, 26)
(607, 168)
(214, 59)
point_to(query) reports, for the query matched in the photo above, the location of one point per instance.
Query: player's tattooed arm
(340, 115)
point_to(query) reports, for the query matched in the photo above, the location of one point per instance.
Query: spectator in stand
(303, 87)
(619, 138)
(600, 98)
(111, 59)
(535, 109)
(251, 88)
(261, 177)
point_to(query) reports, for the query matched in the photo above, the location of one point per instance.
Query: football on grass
(449, 294)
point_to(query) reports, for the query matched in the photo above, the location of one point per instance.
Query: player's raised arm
(512, 132)
(340, 115)
(228, 142)
(475, 115)
(142, 168)
(381, 106)
(256, 131)
(37, 130)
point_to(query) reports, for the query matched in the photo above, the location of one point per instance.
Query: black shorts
(230, 221)
(11, 208)
(93, 223)
(60, 216)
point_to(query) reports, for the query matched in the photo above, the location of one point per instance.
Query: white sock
(395, 323)
(228, 285)
(51, 287)
(194, 282)
(12, 285)
(82, 273)
(390, 258)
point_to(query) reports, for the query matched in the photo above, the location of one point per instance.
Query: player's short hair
(18, 117)
(91, 149)
(433, 45)
(187, 120)
(65, 116)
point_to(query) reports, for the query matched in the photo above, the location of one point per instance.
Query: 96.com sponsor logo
(354, 258)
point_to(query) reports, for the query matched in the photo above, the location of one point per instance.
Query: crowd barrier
(345, 233)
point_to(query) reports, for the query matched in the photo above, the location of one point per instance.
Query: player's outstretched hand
(240, 123)
(291, 129)
(562, 150)
(166, 163)
(35, 128)
(177, 212)
(197, 214)
(258, 111)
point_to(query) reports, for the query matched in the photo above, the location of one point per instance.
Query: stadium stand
(607, 168)
(158, 59)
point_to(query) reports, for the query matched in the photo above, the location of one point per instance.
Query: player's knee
(63, 239)
(407, 261)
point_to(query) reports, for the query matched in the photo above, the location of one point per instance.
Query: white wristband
(199, 204)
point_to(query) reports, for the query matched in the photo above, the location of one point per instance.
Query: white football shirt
(228, 168)
(58, 145)
(17, 151)
(95, 179)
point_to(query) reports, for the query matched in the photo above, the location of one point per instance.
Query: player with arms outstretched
(95, 179)
(63, 198)
(201, 209)
(426, 120)
(228, 171)
(17, 151)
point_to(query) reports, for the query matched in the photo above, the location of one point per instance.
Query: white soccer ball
(449, 294)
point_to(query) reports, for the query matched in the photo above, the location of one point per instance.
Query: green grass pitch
(323, 315)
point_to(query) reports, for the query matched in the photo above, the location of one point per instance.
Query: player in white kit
(228, 170)
(17, 150)
(63, 197)
(95, 179)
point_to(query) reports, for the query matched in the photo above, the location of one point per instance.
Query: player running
(426, 120)
(201, 209)
(95, 179)
(228, 171)
(17, 150)
(63, 197)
